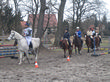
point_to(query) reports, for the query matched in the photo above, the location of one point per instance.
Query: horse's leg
(75, 50)
(20, 58)
(88, 49)
(24, 56)
(70, 52)
(36, 52)
(27, 56)
(79, 49)
(64, 53)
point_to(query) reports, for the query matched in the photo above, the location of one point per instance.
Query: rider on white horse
(27, 33)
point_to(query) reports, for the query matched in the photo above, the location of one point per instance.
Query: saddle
(67, 41)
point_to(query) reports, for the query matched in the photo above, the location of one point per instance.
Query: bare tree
(34, 15)
(60, 22)
(41, 19)
(83, 9)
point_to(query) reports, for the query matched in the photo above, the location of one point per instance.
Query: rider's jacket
(90, 33)
(66, 35)
(78, 33)
(28, 32)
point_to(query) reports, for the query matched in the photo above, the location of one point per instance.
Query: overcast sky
(106, 2)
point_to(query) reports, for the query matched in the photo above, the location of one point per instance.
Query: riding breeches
(28, 39)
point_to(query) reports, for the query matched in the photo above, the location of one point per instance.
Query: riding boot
(92, 43)
(100, 40)
(30, 46)
(81, 42)
(69, 44)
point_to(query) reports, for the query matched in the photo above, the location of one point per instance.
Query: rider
(27, 33)
(67, 36)
(91, 33)
(78, 33)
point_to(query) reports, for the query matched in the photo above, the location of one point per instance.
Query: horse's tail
(60, 43)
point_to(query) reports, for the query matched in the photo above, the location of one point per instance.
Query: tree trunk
(34, 16)
(41, 19)
(60, 22)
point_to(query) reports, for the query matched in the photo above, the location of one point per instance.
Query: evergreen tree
(8, 20)
(104, 21)
(96, 21)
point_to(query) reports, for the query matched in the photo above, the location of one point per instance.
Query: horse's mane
(17, 33)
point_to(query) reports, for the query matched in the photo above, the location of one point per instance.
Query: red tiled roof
(91, 26)
(52, 20)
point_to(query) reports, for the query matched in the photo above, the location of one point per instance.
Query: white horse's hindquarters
(35, 42)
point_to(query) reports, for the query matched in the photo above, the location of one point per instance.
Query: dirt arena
(54, 68)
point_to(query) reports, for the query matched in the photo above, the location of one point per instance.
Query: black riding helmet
(67, 29)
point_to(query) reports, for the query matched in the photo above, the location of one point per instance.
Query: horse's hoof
(19, 63)
(64, 56)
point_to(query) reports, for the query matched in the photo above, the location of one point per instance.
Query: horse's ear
(12, 30)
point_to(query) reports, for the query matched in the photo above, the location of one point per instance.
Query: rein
(14, 35)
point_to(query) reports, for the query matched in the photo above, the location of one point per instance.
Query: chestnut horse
(77, 43)
(65, 46)
(89, 42)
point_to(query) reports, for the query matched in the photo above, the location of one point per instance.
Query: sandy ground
(54, 68)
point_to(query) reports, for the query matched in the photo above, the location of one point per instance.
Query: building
(52, 21)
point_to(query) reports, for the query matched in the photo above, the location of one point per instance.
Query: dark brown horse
(65, 46)
(77, 43)
(90, 44)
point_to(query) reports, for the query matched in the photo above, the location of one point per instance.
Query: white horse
(23, 46)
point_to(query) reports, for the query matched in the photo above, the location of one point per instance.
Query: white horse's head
(12, 35)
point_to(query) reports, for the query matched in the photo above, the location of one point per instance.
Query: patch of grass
(105, 42)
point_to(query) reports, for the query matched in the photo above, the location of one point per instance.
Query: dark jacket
(66, 35)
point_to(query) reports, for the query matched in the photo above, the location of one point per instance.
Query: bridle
(12, 36)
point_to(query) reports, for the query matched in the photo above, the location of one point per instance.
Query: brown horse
(77, 43)
(65, 46)
(89, 42)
